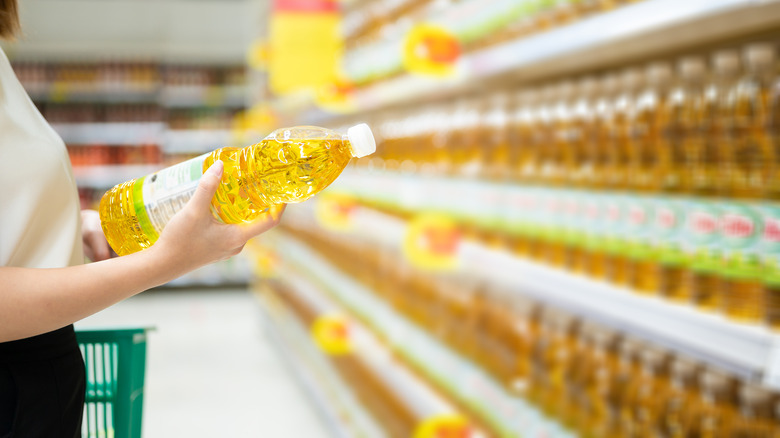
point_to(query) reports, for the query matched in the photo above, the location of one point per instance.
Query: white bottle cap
(362, 140)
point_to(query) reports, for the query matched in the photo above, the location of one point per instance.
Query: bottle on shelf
(624, 123)
(770, 240)
(757, 416)
(683, 391)
(289, 165)
(679, 154)
(702, 235)
(714, 411)
(581, 171)
(644, 178)
(601, 153)
(748, 154)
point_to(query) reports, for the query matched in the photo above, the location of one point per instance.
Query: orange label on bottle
(432, 242)
(331, 333)
(430, 50)
(444, 426)
(334, 211)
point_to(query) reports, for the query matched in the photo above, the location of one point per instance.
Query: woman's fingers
(207, 186)
(265, 222)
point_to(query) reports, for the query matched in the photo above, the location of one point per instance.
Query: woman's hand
(95, 244)
(193, 237)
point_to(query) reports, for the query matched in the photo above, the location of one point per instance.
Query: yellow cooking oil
(289, 165)
(748, 153)
(679, 153)
(757, 414)
(580, 162)
(644, 178)
(702, 236)
(677, 412)
(617, 212)
(601, 150)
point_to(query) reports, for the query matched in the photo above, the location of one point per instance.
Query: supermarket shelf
(645, 29)
(198, 96)
(330, 394)
(110, 133)
(195, 140)
(403, 386)
(168, 96)
(751, 352)
(463, 380)
(57, 94)
(108, 176)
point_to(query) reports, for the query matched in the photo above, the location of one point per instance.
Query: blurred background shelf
(110, 133)
(110, 175)
(633, 32)
(504, 413)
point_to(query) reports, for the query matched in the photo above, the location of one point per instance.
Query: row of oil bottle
(476, 24)
(596, 381)
(666, 183)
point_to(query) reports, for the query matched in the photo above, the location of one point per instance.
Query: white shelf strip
(110, 175)
(112, 134)
(465, 381)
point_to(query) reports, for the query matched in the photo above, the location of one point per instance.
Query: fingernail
(218, 166)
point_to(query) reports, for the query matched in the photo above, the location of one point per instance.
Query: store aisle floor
(211, 370)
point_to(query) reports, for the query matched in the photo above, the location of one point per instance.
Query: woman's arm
(35, 301)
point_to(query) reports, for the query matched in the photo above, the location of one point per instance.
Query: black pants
(42, 385)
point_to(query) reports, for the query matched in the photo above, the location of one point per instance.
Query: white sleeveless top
(40, 218)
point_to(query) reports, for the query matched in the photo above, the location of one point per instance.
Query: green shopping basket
(115, 364)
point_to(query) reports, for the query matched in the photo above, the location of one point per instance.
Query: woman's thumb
(208, 184)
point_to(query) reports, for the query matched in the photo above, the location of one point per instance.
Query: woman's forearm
(35, 301)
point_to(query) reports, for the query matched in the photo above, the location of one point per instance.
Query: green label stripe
(140, 210)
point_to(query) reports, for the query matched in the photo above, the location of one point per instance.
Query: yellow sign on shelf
(304, 46)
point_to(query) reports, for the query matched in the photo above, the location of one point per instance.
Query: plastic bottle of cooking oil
(564, 152)
(644, 177)
(681, 397)
(770, 241)
(756, 412)
(579, 168)
(678, 154)
(714, 411)
(651, 393)
(624, 120)
(599, 183)
(747, 157)
(545, 218)
(289, 165)
(533, 137)
(702, 235)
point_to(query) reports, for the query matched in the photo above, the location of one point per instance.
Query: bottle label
(168, 191)
(702, 241)
(742, 228)
(614, 228)
(639, 230)
(668, 226)
(770, 242)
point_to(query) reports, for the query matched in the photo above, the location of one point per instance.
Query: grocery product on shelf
(703, 234)
(594, 381)
(680, 155)
(631, 177)
(289, 165)
(747, 159)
